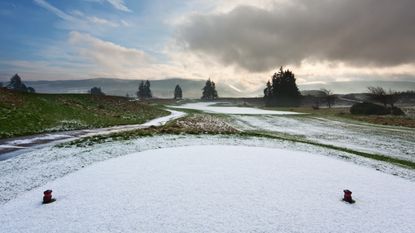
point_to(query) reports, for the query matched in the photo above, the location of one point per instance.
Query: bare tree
(328, 96)
(378, 94)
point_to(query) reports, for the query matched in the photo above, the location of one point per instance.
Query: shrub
(396, 111)
(366, 108)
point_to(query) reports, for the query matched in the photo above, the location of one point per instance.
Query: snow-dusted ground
(35, 142)
(390, 141)
(217, 189)
(33, 169)
(246, 185)
(207, 107)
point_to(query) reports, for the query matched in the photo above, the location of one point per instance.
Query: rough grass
(198, 124)
(344, 113)
(26, 114)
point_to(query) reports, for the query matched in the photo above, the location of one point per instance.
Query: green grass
(26, 114)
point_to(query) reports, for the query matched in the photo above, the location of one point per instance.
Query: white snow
(50, 139)
(217, 189)
(206, 107)
(390, 141)
(155, 122)
(32, 140)
(163, 120)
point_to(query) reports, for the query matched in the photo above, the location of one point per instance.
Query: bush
(368, 109)
(396, 111)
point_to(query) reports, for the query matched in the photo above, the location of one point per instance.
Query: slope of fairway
(210, 108)
(26, 114)
(217, 189)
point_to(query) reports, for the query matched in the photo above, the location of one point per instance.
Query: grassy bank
(26, 114)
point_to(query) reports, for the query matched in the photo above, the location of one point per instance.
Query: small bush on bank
(396, 111)
(366, 108)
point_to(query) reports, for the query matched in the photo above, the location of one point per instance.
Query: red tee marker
(47, 197)
(348, 196)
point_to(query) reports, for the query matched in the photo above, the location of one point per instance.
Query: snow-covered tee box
(217, 189)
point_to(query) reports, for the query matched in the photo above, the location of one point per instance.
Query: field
(212, 169)
(26, 114)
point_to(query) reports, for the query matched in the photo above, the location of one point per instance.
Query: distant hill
(120, 87)
(360, 86)
(192, 88)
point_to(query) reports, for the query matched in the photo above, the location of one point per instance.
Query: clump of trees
(178, 94)
(209, 91)
(96, 91)
(380, 95)
(17, 85)
(144, 91)
(282, 90)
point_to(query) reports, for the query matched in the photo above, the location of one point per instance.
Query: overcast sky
(235, 41)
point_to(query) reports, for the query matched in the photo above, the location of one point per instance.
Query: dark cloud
(357, 32)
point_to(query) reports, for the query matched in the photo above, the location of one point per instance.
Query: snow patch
(206, 107)
(217, 189)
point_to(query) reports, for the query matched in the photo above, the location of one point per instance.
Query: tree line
(280, 90)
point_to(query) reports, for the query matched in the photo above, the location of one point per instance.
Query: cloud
(107, 54)
(360, 33)
(78, 20)
(54, 10)
(119, 5)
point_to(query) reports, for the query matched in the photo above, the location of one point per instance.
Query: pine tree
(178, 92)
(283, 90)
(144, 91)
(140, 92)
(147, 90)
(209, 91)
(96, 91)
(17, 85)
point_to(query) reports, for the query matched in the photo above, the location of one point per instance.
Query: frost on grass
(36, 168)
(208, 107)
(66, 125)
(204, 123)
(393, 142)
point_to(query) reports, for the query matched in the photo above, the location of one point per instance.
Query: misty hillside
(160, 88)
(192, 88)
(360, 86)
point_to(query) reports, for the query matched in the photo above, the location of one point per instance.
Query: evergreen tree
(96, 91)
(17, 85)
(147, 90)
(209, 91)
(144, 91)
(140, 92)
(178, 92)
(282, 90)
